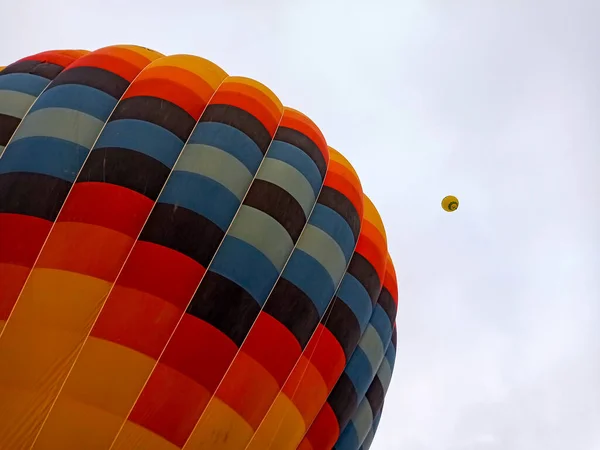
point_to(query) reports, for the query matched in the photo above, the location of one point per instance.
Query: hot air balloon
(450, 203)
(185, 263)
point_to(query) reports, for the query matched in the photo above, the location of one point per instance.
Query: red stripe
(326, 354)
(272, 345)
(170, 405)
(137, 320)
(324, 431)
(162, 272)
(21, 238)
(107, 205)
(199, 351)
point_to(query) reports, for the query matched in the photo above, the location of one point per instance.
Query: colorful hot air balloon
(184, 263)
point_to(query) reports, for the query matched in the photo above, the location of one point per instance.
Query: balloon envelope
(184, 261)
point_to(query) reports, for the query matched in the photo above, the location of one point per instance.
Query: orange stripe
(341, 179)
(85, 249)
(61, 57)
(341, 184)
(183, 77)
(248, 104)
(369, 231)
(171, 91)
(298, 121)
(373, 254)
(138, 59)
(234, 86)
(390, 280)
(110, 63)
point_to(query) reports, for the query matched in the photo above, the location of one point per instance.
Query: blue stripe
(23, 82)
(298, 159)
(335, 226)
(359, 370)
(202, 195)
(311, 277)
(143, 137)
(353, 293)
(46, 155)
(243, 264)
(348, 440)
(390, 355)
(381, 323)
(79, 98)
(230, 140)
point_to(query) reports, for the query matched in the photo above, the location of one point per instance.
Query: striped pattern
(24, 224)
(236, 285)
(184, 263)
(369, 410)
(330, 348)
(162, 270)
(304, 291)
(361, 369)
(94, 231)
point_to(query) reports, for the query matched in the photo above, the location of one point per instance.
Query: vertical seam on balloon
(70, 188)
(315, 348)
(270, 292)
(203, 275)
(315, 331)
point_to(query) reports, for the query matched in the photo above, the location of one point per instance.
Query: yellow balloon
(450, 203)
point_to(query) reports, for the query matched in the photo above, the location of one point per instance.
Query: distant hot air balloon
(450, 203)
(184, 263)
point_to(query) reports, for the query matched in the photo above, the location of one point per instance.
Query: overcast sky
(496, 102)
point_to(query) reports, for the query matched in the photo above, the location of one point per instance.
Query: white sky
(497, 102)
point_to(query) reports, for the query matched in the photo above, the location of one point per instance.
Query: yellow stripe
(143, 51)
(336, 156)
(38, 346)
(135, 437)
(222, 429)
(372, 215)
(259, 86)
(284, 431)
(205, 69)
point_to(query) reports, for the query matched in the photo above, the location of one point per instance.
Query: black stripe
(361, 269)
(225, 305)
(157, 111)
(240, 119)
(375, 394)
(104, 80)
(394, 337)
(32, 194)
(8, 125)
(293, 308)
(343, 400)
(340, 204)
(343, 324)
(127, 168)
(304, 143)
(184, 231)
(41, 69)
(387, 303)
(279, 204)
